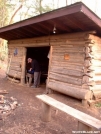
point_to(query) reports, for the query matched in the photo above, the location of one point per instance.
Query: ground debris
(7, 105)
(3, 92)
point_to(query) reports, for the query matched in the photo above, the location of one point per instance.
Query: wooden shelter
(75, 49)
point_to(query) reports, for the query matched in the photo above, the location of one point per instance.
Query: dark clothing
(28, 66)
(37, 73)
(35, 66)
(37, 79)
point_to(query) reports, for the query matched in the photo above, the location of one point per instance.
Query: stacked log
(14, 68)
(74, 66)
(94, 56)
(76, 75)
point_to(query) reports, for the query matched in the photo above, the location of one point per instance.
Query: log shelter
(74, 63)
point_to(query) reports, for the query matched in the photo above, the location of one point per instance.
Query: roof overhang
(74, 18)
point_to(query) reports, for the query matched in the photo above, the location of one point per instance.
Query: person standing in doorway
(37, 73)
(29, 72)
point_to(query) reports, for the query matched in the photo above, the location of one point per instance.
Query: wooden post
(85, 103)
(46, 112)
(84, 128)
(30, 81)
(23, 66)
(49, 91)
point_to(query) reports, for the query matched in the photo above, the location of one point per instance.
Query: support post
(85, 103)
(23, 66)
(83, 127)
(46, 112)
(48, 90)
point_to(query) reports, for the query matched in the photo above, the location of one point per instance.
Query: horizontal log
(16, 62)
(62, 70)
(80, 42)
(13, 80)
(18, 55)
(69, 90)
(85, 86)
(14, 74)
(90, 36)
(87, 79)
(15, 57)
(57, 43)
(65, 78)
(89, 84)
(87, 63)
(31, 44)
(69, 46)
(15, 66)
(52, 37)
(70, 59)
(16, 69)
(69, 51)
(71, 55)
(68, 66)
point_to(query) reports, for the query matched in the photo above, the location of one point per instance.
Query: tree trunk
(16, 12)
(40, 10)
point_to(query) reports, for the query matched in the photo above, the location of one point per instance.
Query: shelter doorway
(41, 55)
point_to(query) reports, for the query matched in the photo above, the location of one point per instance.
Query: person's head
(29, 60)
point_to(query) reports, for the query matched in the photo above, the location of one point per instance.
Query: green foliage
(35, 7)
(7, 9)
(98, 104)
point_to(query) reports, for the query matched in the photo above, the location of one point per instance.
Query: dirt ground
(25, 119)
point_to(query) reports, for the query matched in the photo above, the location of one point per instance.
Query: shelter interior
(41, 55)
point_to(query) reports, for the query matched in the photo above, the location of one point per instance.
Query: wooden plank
(80, 116)
(23, 67)
(50, 61)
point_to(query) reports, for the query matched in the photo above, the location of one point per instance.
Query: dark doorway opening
(41, 55)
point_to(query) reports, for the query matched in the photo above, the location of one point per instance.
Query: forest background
(12, 11)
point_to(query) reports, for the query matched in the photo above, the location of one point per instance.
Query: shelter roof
(73, 18)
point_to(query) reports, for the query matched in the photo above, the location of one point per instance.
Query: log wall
(75, 66)
(14, 68)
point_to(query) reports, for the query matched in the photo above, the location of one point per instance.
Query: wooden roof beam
(29, 30)
(76, 22)
(38, 29)
(60, 25)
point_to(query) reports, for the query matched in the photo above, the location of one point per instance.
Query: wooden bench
(85, 122)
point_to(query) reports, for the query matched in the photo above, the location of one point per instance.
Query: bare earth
(25, 119)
